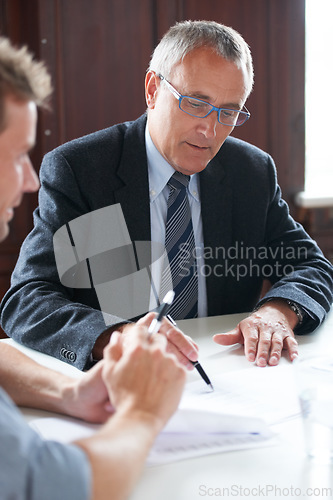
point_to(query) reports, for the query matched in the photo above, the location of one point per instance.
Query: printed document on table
(175, 443)
(268, 393)
(236, 415)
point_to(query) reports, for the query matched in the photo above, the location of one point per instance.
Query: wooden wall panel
(286, 68)
(99, 53)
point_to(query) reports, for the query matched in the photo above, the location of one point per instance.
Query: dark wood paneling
(318, 222)
(286, 68)
(167, 12)
(98, 54)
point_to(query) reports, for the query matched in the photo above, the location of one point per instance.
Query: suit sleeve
(38, 311)
(294, 264)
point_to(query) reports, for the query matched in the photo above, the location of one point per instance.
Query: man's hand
(87, 397)
(179, 344)
(145, 384)
(141, 377)
(265, 333)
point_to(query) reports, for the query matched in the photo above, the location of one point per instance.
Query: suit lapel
(133, 196)
(216, 205)
(216, 211)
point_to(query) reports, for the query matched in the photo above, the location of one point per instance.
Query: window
(318, 95)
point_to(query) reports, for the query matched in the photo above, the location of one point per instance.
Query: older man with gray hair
(182, 182)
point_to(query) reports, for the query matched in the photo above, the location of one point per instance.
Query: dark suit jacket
(248, 236)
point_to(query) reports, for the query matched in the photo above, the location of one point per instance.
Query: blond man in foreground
(133, 391)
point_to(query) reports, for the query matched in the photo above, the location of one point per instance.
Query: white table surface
(280, 471)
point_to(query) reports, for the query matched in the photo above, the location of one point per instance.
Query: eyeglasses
(199, 108)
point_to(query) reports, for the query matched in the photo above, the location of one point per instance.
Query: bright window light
(318, 93)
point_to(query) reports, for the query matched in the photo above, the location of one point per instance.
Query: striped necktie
(180, 247)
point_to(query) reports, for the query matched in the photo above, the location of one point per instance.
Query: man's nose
(30, 178)
(207, 125)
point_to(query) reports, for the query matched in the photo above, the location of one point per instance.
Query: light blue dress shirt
(34, 469)
(159, 173)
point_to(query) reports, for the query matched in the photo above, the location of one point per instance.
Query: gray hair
(186, 36)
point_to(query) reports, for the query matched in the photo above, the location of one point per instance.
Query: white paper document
(236, 415)
(189, 434)
(267, 393)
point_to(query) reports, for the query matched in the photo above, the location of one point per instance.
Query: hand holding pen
(196, 364)
(156, 323)
(162, 311)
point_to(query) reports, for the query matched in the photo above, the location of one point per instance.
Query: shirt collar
(160, 171)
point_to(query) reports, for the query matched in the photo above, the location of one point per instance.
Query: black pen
(161, 312)
(196, 364)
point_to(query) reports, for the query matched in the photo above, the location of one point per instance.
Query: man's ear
(151, 87)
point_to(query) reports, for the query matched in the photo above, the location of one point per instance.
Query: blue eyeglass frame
(180, 97)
